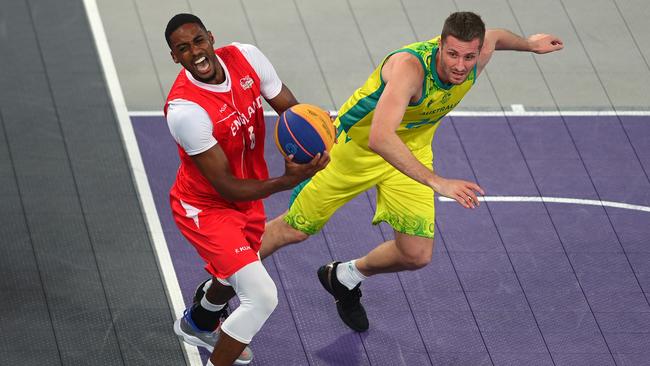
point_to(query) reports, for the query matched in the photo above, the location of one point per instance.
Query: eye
(199, 40)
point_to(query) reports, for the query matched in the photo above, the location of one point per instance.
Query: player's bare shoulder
(403, 66)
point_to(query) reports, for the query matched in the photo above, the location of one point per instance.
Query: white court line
(520, 112)
(518, 108)
(575, 201)
(167, 271)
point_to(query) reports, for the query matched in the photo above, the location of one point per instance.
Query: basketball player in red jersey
(214, 112)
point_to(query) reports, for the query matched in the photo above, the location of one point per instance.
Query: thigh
(352, 170)
(413, 246)
(219, 236)
(406, 205)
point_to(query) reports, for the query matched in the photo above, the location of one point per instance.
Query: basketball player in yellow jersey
(385, 134)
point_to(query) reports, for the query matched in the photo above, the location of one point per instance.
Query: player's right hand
(299, 172)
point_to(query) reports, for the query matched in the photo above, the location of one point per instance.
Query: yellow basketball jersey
(420, 119)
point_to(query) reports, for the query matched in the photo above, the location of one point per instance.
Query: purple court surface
(518, 281)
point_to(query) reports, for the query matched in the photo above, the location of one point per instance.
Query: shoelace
(352, 298)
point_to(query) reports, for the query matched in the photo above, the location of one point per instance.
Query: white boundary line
(520, 112)
(518, 108)
(167, 271)
(575, 201)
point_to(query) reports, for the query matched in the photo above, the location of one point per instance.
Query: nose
(195, 49)
(460, 64)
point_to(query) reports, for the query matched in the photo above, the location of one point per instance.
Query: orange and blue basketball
(303, 131)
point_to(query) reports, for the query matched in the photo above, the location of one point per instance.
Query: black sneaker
(348, 302)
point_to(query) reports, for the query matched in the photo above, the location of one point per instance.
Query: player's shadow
(347, 350)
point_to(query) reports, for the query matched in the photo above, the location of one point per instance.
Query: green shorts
(403, 203)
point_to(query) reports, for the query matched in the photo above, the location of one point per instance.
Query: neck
(439, 70)
(219, 74)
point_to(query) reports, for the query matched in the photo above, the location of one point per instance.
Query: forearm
(505, 40)
(252, 189)
(396, 153)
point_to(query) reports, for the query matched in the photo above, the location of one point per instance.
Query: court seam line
(543, 199)
(373, 206)
(512, 113)
(314, 53)
(165, 265)
(584, 164)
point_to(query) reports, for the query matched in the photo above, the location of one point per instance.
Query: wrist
(285, 182)
(529, 45)
(435, 182)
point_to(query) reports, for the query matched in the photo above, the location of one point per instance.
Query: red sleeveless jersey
(238, 126)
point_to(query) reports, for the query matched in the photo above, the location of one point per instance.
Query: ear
(211, 38)
(174, 57)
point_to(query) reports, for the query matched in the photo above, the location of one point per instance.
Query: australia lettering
(445, 109)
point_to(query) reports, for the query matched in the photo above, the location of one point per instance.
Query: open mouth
(202, 65)
(458, 74)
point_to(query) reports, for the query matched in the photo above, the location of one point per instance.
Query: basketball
(303, 131)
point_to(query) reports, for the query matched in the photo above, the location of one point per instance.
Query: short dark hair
(180, 19)
(464, 25)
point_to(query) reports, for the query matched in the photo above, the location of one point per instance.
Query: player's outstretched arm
(504, 40)
(461, 191)
(403, 75)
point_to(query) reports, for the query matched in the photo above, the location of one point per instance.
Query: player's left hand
(461, 191)
(299, 172)
(544, 43)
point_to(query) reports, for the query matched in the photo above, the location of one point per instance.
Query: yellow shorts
(403, 203)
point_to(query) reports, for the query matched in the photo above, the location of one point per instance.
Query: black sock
(205, 319)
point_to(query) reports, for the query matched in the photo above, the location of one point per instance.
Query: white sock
(207, 305)
(348, 274)
(206, 286)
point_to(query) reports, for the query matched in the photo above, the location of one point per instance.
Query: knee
(261, 299)
(279, 233)
(290, 234)
(295, 236)
(267, 300)
(418, 261)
